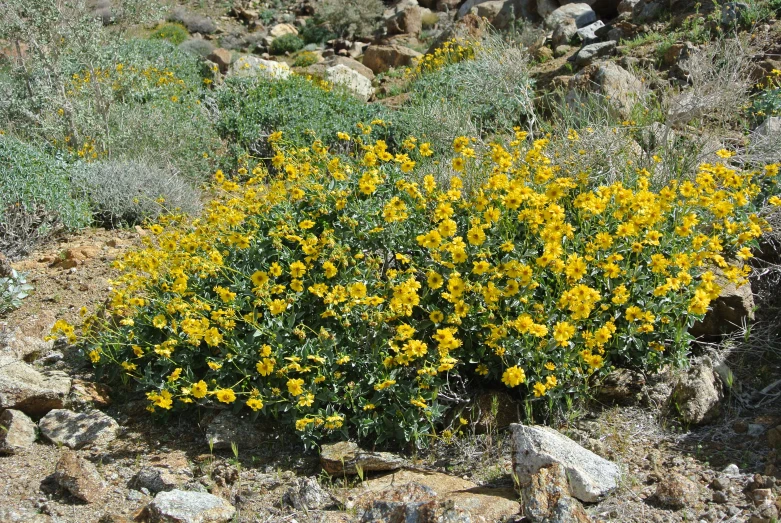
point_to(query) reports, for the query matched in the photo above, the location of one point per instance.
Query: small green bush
(250, 111)
(349, 18)
(197, 47)
(174, 33)
(288, 43)
(35, 197)
(305, 59)
(316, 32)
(123, 193)
(13, 289)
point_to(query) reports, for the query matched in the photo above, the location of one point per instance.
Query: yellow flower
(539, 389)
(277, 307)
(225, 395)
(297, 269)
(265, 366)
(330, 269)
(306, 224)
(255, 404)
(513, 376)
(295, 386)
(199, 389)
(425, 149)
(436, 316)
(435, 280)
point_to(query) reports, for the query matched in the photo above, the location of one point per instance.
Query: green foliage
(305, 59)
(249, 111)
(13, 289)
(172, 32)
(349, 18)
(315, 32)
(123, 193)
(767, 102)
(197, 47)
(35, 197)
(288, 43)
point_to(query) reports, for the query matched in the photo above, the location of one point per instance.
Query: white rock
(24, 388)
(180, 506)
(249, 66)
(582, 13)
(282, 30)
(353, 81)
(78, 429)
(590, 476)
(17, 431)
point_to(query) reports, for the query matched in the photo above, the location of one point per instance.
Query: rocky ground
(77, 451)
(696, 445)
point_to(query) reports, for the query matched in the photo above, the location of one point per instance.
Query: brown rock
(547, 498)
(381, 58)
(5, 266)
(696, 396)
(346, 457)
(17, 431)
(79, 477)
(431, 496)
(676, 491)
(408, 21)
(34, 393)
(95, 393)
(774, 437)
(621, 387)
(221, 57)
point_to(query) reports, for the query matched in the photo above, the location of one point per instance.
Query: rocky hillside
(136, 137)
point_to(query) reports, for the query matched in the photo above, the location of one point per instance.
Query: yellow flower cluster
(450, 52)
(344, 291)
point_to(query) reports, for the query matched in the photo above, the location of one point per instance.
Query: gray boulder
(564, 32)
(590, 476)
(353, 81)
(180, 506)
(346, 457)
(24, 388)
(76, 430)
(581, 13)
(591, 52)
(17, 431)
(588, 34)
(547, 498)
(307, 494)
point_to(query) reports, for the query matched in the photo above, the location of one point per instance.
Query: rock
(676, 491)
(17, 431)
(731, 470)
(5, 266)
(502, 13)
(591, 52)
(346, 457)
(381, 58)
(591, 477)
(180, 506)
(770, 127)
(546, 7)
(222, 57)
(618, 85)
(558, 52)
(719, 497)
(79, 477)
(588, 34)
(581, 13)
(34, 393)
(227, 428)
(721, 483)
(249, 66)
(697, 395)
(353, 64)
(762, 496)
(76, 430)
(628, 6)
(353, 81)
(547, 498)
(90, 392)
(26, 341)
(621, 387)
(307, 494)
(282, 30)
(430, 497)
(755, 429)
(564, 32)
(156, 479)
(407, 21)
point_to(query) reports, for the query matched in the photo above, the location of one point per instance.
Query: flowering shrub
(450, 52)
(767, 102)
(351, 291)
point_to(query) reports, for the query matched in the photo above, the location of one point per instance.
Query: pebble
(731, 470)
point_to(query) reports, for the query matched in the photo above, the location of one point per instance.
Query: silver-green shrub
(13, 289)
(348, 18)
(130, 192)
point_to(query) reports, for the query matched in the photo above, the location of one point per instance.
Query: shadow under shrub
(36, 198)
(354, 292)
(123, 193)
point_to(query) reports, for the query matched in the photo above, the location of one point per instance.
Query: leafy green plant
(36, 198)
(172, 32)
(347, 291)
(13, 289)
(288, 43)
(305, 59)
(315, 32)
